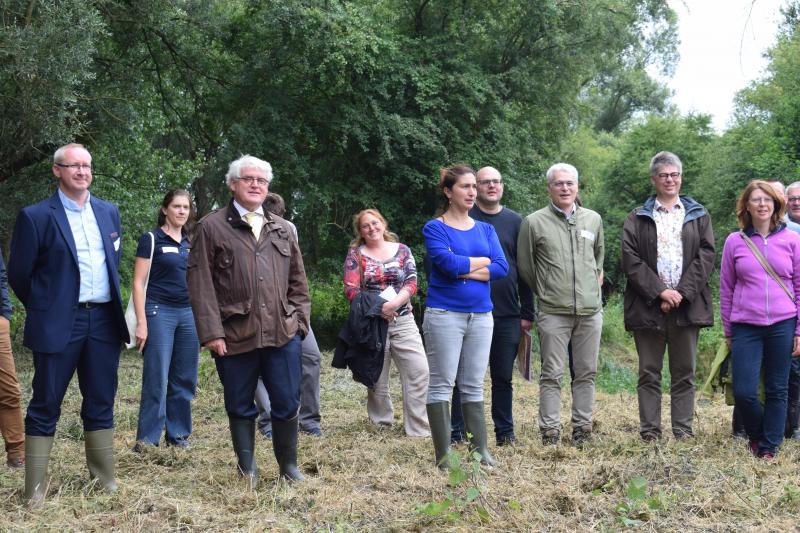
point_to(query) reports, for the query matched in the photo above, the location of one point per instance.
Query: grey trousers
(555, 333)
(458, 346)
(681, 345)
(309, 390)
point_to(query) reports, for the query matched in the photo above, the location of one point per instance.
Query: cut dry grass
(362, 478)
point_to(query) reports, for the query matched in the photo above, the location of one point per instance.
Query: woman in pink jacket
(759, 314)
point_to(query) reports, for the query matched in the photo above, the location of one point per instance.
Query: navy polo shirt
(168, 271)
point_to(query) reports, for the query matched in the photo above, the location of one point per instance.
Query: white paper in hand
(388, 293)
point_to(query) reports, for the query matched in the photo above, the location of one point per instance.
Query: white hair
(247, 161)
(793, 185)
(561, 167)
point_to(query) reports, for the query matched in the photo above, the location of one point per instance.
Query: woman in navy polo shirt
(465, 254)
(165, 331)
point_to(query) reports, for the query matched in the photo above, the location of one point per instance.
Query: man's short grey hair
(247, 161)
(58, 157)
(561, 167)
(663, 159)
(793, 185)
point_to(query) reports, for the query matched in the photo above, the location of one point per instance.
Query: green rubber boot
(99, 447)
(37, 455)
(475, 423)
(439, 420)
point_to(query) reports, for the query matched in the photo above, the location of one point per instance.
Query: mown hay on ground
(364, 478)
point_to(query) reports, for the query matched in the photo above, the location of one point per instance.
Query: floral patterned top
(669, 225)
(399, 271)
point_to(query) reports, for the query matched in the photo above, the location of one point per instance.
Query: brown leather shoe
(581, 435)
(650, 436)
(550, 437)
(16, 462)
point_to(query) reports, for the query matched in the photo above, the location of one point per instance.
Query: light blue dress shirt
(791, 224)
(95, 286)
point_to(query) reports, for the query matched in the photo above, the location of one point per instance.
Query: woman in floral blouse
(374, 263)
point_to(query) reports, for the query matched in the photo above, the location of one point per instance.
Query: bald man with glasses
(65, 252)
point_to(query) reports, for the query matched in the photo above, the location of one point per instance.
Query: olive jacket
(639, 260)
(561, 260)
(254, 294)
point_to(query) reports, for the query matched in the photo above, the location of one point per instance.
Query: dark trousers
(93, 350)
(279, 369)
(503, 353)
(681, 345)
(756, 349)
(309, 390)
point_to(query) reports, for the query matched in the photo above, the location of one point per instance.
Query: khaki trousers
(555, 334)
(681, 345)
(10, 397)
(404, 346)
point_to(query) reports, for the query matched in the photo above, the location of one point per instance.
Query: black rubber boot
(284, 443)
(475, 422)
(243, 435)
(439, 420)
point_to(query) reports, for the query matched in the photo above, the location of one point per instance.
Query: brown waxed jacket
(252, 294)
(639, 262)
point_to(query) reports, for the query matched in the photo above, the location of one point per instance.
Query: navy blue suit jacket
(43, 270)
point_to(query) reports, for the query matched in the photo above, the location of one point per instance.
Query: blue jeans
(503, 353)
(457, 345)
(767, 350)
(169, 374)
(793, 410)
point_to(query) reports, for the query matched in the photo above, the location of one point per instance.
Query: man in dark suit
(65, 252)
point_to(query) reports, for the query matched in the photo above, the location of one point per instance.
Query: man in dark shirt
(513, 309)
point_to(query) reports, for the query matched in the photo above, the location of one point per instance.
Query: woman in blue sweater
(465, 255)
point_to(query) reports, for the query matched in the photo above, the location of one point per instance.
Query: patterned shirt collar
(661, 207)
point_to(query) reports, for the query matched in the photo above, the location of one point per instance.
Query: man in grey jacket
(560, 256)
(668, 257)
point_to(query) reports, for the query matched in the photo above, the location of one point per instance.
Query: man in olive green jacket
(560, 256)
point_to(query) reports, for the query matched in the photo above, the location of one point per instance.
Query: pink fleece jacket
(747, 294)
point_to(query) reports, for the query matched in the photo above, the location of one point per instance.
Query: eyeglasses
(664, 175)
(75, 166)
(249, 180)
(793, 199)
(495, 181)
(759, 201)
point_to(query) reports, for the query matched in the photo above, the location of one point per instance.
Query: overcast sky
(722, 46)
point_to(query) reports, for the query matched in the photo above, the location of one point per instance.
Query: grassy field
(362, 478)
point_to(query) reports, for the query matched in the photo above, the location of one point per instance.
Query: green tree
(44, 48)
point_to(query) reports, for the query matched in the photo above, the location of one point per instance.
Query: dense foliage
(359, 103)
(355, 103)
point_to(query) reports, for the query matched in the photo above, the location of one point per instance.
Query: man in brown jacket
(249, 295)
(667, 256)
